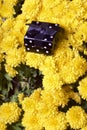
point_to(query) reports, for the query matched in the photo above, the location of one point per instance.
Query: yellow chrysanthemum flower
(30, 103)
(15, 57)
(2, 126)
(34, 60)
(9, 112)
(31, 121)
(5, 29)
(57, 122)
(37, 113)
(52, 81)
(55, 97)
(74, 69)
(83, 88)
(44, 104)
(46, 110)
(48, 65)
(76, 117)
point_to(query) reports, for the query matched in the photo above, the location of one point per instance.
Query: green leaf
(10, 86)
(8, 77)
(14, 98)
(16, 128)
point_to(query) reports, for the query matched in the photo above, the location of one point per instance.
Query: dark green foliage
(5, 85)
(27, 80)
(15, 126)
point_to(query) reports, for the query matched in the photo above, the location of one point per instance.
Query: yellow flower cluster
(9, 113)
(41, 112)
(76, 117)
(64, 67)
(11, 43)
(57, 122)
(31, 120)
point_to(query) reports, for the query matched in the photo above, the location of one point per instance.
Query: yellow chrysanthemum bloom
(2, 126)
(74, 69)
(47, 65)
(52, 81)
(57, 122)
(15, 57)
(39, 112)
(5, 29)
(55, 97)
(34, 60)
(46, 110)
(41, 105)
(30, 103)
(9, 112)
(76, 117)
(31, 121)
(83, 88)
